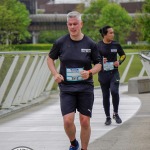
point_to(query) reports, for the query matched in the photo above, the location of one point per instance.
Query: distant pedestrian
(109, 75)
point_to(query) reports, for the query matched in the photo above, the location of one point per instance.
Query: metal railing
(24, 77)
(145, 59)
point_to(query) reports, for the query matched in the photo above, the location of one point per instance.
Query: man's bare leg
(69, 126)
(85, 131)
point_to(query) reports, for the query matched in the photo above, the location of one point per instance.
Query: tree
(14, 21)
(50, 36)
(103, 12)
(143, 22)
(90, 15)
(117, 17)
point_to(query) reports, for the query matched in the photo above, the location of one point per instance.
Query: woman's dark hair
(103, 31)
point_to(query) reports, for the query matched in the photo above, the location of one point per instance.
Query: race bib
(73, 74)
(108, 66)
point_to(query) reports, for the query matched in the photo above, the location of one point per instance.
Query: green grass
(135, 68)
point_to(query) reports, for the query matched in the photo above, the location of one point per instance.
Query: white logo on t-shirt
(83, 50)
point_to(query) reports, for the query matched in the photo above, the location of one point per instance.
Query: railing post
(126, 69)
(6, 81)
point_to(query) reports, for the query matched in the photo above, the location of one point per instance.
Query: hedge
(28, 47)
(47, 47)
(134, 46)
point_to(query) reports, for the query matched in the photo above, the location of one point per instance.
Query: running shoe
(74, 147)
(108, 121)
(117, 118)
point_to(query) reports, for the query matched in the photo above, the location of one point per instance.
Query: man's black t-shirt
(75, 54)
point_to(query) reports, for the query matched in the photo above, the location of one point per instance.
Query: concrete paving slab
(41, 127)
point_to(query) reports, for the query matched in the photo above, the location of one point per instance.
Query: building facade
(52, 19)
(30, 5)
(88, 1)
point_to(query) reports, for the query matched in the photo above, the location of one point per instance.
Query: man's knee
(85, 122)
(68, 120)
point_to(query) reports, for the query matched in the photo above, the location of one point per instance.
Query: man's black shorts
(82, 101)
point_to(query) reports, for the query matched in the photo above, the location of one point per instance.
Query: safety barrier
(141, 84)
(145, 58)
(25, 77)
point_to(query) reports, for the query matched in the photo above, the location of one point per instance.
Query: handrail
(145, 55)
(26, 77)
(145, 59)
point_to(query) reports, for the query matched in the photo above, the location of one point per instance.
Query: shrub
(30, 47)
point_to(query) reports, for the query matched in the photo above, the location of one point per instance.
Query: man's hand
(58, 78)
(85, 74)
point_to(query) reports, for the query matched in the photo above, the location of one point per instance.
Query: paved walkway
(134, 134)
(41, 127)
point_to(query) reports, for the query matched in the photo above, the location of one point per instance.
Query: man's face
(110, 34)
(74, 26)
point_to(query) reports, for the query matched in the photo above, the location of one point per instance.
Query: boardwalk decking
(41, 127)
